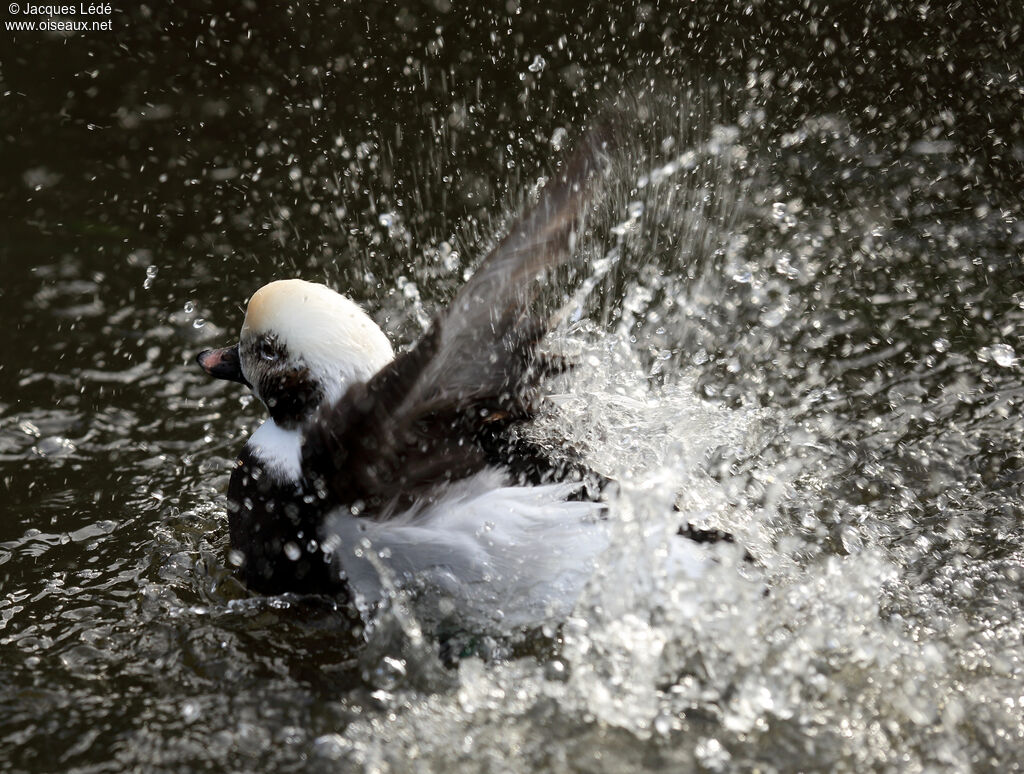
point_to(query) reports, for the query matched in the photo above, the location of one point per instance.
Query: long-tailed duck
(375, 470)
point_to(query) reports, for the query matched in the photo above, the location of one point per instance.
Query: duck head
(301, 345)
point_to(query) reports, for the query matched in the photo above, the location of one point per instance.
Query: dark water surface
(809, 319)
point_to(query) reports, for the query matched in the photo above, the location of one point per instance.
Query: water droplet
(396, 665)
(771, 318)
(1002, 355)
(712, 754)
(29, 428)
(663, 725)
(292, 550)
(537, 65)
(555, 671)
(332, 747)
(784, 267)
(449, 257)
(851, 539)
(190, 711)
(55, 446)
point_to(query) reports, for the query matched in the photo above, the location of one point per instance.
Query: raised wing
(431, 415)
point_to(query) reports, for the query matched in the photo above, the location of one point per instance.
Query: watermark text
(83, 17)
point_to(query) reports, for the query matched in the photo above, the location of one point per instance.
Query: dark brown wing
(491, 315)
(418, 421)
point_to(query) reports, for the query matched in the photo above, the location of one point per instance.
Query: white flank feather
(512, 556)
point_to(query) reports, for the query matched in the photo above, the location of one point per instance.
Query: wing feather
(417, 422)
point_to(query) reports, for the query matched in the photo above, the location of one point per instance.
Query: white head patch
(323, 330)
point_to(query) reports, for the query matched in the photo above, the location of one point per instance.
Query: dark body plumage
(274, 528)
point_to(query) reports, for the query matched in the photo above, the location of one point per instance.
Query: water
(804, 316)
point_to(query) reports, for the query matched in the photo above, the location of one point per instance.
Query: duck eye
(267, 349)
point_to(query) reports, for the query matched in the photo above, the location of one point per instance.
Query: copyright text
(55, 18)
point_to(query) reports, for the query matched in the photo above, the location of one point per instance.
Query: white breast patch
(278, 450)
